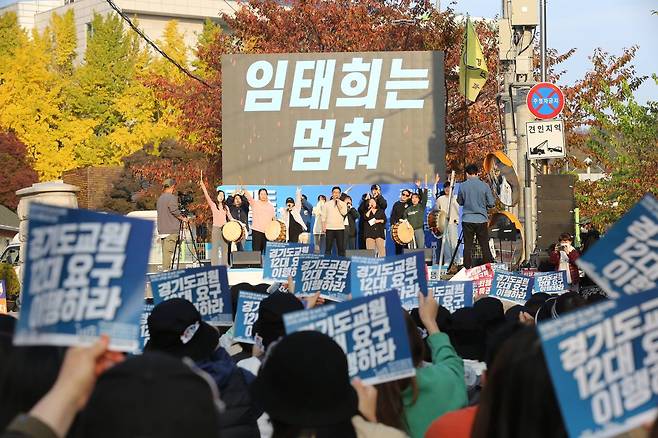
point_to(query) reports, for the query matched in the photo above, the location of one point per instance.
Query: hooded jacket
(239, 418)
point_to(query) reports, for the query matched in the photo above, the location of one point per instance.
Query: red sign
(545, 100)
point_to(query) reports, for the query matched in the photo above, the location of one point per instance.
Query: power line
(153, 45)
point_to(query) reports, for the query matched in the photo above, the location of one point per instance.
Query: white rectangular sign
(545, 139)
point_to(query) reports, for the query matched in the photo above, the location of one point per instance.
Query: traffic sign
(545, 139)
(545, 100)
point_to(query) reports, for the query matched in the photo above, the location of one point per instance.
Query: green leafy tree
(62, 37)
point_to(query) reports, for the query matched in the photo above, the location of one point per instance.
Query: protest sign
(84, 276)
(625, 260)
(499, 267)
(482, 276)
(246, 315)
(550, 282)
(371, 331)
(144, 334)
(603, 361)
(405, 273)
(327, 275)
(452, 295)
(281, 259)
(206, 287)
(511, 287)
(3, 297)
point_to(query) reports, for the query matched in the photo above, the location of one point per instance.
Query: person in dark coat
(238, 206)
(350, 225)
(376, 194)
(399, 212)
(176, 328)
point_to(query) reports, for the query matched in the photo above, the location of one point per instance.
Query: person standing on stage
(374, 219)
(416, 214)
(307, 212)
(220, 215)
(238, 206)
(318, 231)
(350, 222)
(399, 212)
(376, 194)
(169, 222)
(334, 212)
(292, 217)
(441, 205)
(476, 198)
(262, 214)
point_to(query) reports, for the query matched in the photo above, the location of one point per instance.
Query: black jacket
(352, 215)
(399, 212)
(241, 214)
(363, 207)
(377, 230)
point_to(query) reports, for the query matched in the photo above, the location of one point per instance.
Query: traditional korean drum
(402, 233)
(436, 221)
(304, 238)
(276, 231)
(234, 231)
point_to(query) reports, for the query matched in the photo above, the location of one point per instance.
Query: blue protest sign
(144, 334)
(246, 315)
(603, 361)
(84, 276)
(452, 295)
(206, 287)
(327, 275)
(550, 282)
(405, 273)
(625, 260)
(370, 330)
(281, 259)
(511, 287)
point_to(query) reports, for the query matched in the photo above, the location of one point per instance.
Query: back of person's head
(518, 400)
(555, 307)
(152, 395)
(472, 169)
(26, 375)
(466, 334)
(535, 302)
(512, 314)
(304, 386)
(489, 312)
(176, 328)
(269, 325)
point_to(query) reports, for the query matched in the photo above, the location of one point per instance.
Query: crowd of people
(480, 372)
(335, 224)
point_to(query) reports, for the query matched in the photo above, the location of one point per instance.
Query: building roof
(8, 219)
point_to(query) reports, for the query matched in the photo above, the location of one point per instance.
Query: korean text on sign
(511, 287)
(84, 276)
(452, 295)
(603, 361)
(281, 259)
(246, 315)
(625, 260)
(550, 282)
(405, 273)
(370, 330)
(144, 334)
(327, 275)
(206, 287)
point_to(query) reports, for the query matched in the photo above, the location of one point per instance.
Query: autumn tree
(16, 171)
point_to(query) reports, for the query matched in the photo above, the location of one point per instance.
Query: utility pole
(516, 37)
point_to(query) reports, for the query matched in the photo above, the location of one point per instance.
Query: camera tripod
(175, 259)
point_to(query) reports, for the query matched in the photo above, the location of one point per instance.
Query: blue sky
(588, 24)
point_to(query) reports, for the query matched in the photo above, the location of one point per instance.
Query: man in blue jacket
(476, 198)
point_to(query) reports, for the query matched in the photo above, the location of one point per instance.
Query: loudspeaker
(360, 252)
(555, 207)
(246, 259)
(427, 253)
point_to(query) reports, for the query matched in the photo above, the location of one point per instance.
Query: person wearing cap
(312, 394)
(176, 328)
(307, 211)
(220, 215)
(262, 214)
(447, 204)
(333, 215)
(169, 222)
(376, 194)
(292, 217)
(399, 212)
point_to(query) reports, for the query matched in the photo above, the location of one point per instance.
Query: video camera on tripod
(184, 201)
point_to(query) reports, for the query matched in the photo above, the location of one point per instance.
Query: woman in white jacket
(318, 232)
